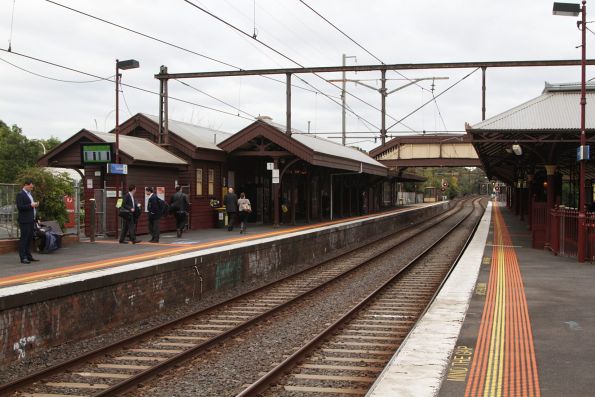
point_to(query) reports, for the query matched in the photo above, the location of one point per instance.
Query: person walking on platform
(129, 226)
(245, 209)
(27, 208)
(230, 201)
(179, 206)
(155, 209)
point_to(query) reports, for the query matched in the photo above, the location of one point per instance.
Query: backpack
(163, 207)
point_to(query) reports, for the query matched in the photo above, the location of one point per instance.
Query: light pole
(571, 9)
(124, 65)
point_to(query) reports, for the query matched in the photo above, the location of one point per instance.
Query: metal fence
(8, 211)
(9, 227)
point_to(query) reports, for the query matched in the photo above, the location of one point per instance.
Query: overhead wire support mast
(163, 76)
(384, 93)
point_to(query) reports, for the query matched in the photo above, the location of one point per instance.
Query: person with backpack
(155, 208)
(179, 206)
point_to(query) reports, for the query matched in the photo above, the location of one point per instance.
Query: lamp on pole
(124, 65)
(571, 9)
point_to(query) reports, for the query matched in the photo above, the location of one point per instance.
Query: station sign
(583, 153)
(96, 153)
(118, 169)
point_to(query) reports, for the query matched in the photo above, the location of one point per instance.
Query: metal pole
(92, 220)
(483, 93)
(288, 105)
(343, 104)
(116, 218)
(383, 108)
(581, 193)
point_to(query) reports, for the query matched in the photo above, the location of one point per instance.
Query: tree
(50, 190)
(15, 152)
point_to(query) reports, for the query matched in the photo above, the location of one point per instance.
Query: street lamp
(571, 9)
(124, 65)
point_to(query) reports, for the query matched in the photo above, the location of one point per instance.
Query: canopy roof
(546, 129)
(268, 139)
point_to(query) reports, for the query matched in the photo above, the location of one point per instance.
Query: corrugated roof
(141, 149)
(557, 108)
(196, 135)
(324, 146)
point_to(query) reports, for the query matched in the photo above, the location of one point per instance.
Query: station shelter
(316, 179)
(148, 165)
(530, 154)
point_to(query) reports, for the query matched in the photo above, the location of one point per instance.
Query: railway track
(123, 365)
(347, 357)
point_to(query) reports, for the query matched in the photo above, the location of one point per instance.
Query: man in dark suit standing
(155, 211)
(130, 204)
(27, 207)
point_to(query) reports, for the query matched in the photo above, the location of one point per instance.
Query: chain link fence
(8, 211)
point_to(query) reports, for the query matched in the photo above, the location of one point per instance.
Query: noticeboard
(96, 153)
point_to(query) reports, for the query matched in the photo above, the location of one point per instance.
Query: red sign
(69, 203)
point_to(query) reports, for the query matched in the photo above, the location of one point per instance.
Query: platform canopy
(542, 131)
(264, 138)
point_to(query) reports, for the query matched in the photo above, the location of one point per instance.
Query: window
(199, 181)
(211, 182)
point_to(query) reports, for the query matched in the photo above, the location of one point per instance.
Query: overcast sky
(394, 31)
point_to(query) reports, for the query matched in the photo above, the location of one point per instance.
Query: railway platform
(87, 288)
(510, 321)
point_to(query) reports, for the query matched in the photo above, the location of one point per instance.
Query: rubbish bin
(221, 218)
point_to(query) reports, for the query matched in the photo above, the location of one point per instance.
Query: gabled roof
(312, 149)
(557, 108)
(201, 137)
(325, 146)
(140, 149)
(135, 150)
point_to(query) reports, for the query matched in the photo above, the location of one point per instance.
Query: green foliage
(49, 190)
(17, 152)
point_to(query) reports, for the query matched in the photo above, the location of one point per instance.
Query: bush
(49, 190)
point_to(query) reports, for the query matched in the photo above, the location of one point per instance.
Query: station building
(318, 179)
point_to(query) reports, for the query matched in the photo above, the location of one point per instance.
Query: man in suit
(128, 227)
(155, 211)
(179, 206)
(27, 207)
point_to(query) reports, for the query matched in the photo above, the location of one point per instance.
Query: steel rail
(134, 381)
(175, 360)
(280, 370)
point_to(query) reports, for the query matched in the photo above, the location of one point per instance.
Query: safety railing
(568, 231)
(8, 211)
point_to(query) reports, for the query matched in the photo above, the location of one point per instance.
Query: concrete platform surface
(528, 330)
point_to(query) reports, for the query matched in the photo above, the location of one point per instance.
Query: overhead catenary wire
(366, 50)
(283, 56)
(123, 84)
(150, 37)
(434, 98)
(217, 99)
(53, 78)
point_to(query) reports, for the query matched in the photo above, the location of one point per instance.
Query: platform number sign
(96, 153)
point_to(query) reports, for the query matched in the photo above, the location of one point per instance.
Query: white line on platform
(421, 363)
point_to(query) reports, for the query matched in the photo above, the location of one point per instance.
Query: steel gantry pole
(584, 149)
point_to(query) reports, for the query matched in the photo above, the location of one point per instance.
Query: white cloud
(396, 31)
